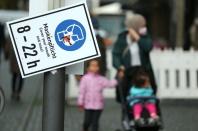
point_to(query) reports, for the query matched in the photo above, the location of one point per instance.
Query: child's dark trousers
(91, 118)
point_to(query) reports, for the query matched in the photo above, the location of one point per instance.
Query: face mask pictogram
(70, 35)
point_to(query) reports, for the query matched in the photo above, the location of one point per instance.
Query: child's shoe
(154, 121)
(158, 121)
(151, 121)
(139, 121)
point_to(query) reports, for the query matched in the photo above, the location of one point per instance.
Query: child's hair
(140, 77)
(89, 61)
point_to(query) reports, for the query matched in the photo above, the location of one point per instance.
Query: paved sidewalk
(16, 114)
(110, 120)
(178, 115)
(26, 115)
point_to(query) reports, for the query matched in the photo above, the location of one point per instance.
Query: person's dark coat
(102, 48)
(122, 57)
(9, 54)
(121, 52)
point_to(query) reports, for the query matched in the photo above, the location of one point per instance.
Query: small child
(91, 98)
(142, 88)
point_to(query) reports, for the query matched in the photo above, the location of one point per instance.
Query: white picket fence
(176, 74)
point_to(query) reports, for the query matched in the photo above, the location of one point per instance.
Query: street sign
(52, 40)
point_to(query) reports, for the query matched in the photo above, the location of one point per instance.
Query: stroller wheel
(125, 125)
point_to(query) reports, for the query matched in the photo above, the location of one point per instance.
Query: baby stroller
(128, 122)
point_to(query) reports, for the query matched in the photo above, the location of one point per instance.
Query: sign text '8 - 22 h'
(52, 40)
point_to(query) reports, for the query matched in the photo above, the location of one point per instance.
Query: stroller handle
(144, 98)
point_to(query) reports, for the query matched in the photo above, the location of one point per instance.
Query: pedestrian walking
(2, 38)
(131, 50)
(100, 37)
(17, 81)
(90, 97)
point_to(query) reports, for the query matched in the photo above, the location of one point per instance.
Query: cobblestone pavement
(178, 115)
(73, 117)
(15, 113)
(26, 115)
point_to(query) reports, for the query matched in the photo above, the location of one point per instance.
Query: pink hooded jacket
(91, 91)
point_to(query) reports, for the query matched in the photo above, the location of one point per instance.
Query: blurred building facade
(168, 20)
(14, 4)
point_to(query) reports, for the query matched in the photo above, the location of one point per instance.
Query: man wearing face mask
(131, 51)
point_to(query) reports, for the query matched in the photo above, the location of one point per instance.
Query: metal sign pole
(54, 93)
(54, 82)
(53, 101)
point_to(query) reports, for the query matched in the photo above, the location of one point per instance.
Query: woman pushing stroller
(130, 53)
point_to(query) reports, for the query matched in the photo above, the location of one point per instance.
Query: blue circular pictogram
(70, 35)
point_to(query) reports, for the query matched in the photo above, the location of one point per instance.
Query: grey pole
(54, 84)
(53, 101)
(54, 88)
(54, 93)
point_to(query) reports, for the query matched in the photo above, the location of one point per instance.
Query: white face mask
(143, 31)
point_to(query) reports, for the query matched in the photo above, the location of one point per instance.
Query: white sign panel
(52, 40)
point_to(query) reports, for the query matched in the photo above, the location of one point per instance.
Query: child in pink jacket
(91, 94)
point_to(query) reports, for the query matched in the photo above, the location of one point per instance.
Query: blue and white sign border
(23, 73)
